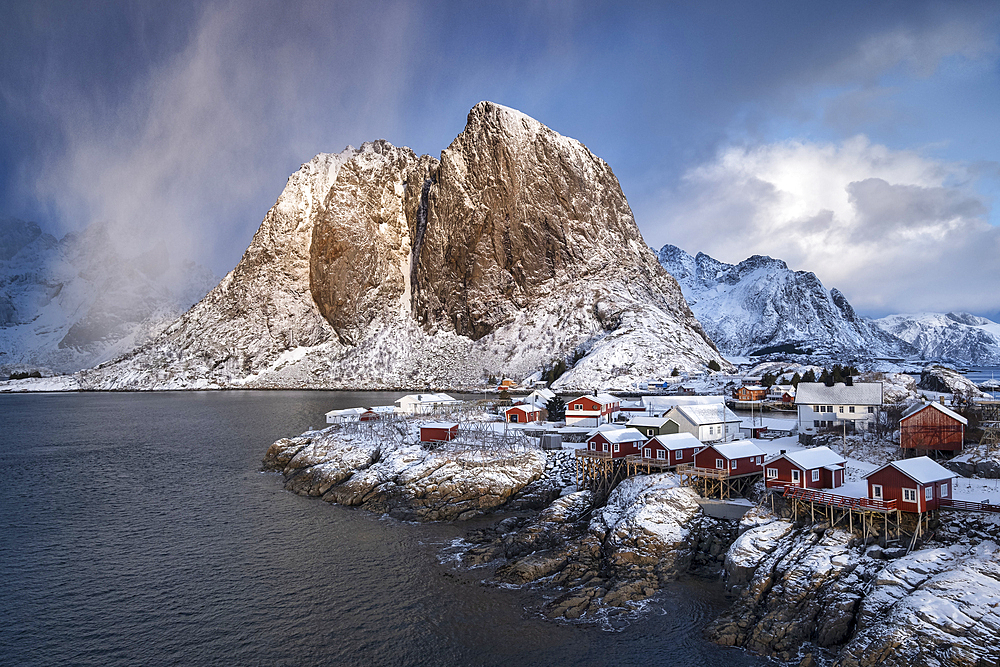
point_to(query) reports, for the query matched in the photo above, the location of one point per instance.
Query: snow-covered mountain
(957, 337)
(75, 302)
(378, 268)
(761, 304)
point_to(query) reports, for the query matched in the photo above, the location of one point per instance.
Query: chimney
(783, 451)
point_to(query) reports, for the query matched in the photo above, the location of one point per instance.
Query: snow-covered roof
(707, 414)
(753, 387)
(860, 393)
(937, 406)
(605, 427)
(427, 398)
(674, 441)
(736, 450)
(623, 435)
(921, 469)
(447, 425)
(656, 422)
(346, 412)
(816, 457)
(524, 407)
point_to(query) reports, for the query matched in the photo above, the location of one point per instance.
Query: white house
(591, 409)
(539, 398)
(708, 423)
(822, 407)
(778, 392)
(422, 404)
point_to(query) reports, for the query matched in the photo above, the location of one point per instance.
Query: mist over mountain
(760, 304)
(74, 302)
(514, 252)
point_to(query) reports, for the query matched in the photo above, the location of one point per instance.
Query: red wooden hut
(438, 432)
(674, 448)
(816, 468)
(739, 458)
(619, 442)
(932, 427)
(523, 414)
(917, 485)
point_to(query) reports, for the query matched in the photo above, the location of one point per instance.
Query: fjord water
(137, 529)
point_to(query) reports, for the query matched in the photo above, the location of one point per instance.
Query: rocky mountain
(956, 337)
(378, 268)
(761, 304)
(71, 303)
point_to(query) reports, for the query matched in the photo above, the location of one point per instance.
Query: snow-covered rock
(377, 268)
(75, 302)
(949, 381)
(761, 304)
(954, 337)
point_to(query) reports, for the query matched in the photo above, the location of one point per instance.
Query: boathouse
(438, 432)
(523, 414)
(620, 442)
(738, 458)
(928, 427)
(917, 485)
(672, 448)
(815, 468)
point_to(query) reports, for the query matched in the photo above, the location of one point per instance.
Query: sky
(856, 140)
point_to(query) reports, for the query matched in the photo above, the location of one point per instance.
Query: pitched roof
(816, 457)
(524, 407)
(679, 441)
(447, 425)
(736, 450)
(921, 469)
(428, 398)
(707, 414)
(648, 421)
(622, 435)
(817, 393)
(346, 412)
(937, 406)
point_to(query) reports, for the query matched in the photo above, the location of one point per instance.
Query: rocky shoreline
(806, 594)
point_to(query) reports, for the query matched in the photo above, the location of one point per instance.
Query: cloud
(893, 230)
(195, 145)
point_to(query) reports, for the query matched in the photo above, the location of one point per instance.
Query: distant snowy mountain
(956, 337)
(761, 304)
(71, 303)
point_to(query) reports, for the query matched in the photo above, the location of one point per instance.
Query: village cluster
(724, 455)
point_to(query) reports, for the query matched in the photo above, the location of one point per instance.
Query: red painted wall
(893, 482)
(705, 458)
(931, 429)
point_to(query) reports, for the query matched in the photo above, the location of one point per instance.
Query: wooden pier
(599, 471)
(834, 509)
(714, 482)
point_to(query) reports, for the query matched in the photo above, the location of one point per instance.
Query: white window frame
(909, 495)
(944, 490)
(929, 492)
(578, 406)
(605, 447)
(661, 455)
(877, 491)
(735, 461)
(616, 447)
(772, 473)
(815, 475)
(647, 452)
(796, 476)
(840, 409)
(720, 464)
(850, 409)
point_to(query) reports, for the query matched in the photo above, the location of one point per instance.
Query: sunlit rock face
(377, 268)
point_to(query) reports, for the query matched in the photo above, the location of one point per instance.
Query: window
(720, 464)
(850, 409)
(929, 493)
(734, 463)
(909, 495)
(605, 447)
(871, 409)
(840, 409)
(650, 432)
(648, 453)
(616, 446)
(711, 430)
(815, 423)
(815, 475)
(795, 476)
(513, 418)
(660, 454)
(944, 490)
(877, 491)
(772, 473)
(578, 406)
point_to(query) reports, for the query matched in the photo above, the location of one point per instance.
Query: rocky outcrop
(407, 482)
(949, 381)
(596, 557)
(815, 590)
(377, 268)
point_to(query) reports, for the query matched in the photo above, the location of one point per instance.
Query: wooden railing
(823, 498)
(967, 506)
(589, 454)
(712, 473)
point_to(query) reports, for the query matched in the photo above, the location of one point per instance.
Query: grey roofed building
(817, 393)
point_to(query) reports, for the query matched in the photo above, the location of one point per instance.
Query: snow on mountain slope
(760, 303)
(71, 303)
(957, 337)
(377, 268)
